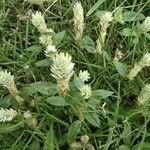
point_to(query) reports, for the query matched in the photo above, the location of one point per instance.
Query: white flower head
(86, 91)
(106, 17)
(84, 75)
(76, 145)
(144, 95)
(134, 71)
(78, 20)
(7, 114)
(99, 46)
(145, 26)
(118, 55)
(30, 120)
(27, 115)
(6, 79)
(145, 60)
(38, 21)
(84, 139)
(45, 39)
(62, 70)
(51, 49)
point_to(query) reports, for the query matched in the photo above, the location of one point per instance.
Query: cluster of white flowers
(27, 114)
(78, 20)
(145, 61)
(39, 22)
(82, 144)
(85, 89)
(84, 75)
(7, 114)
(118, 55)
(45, 39)
(7, 80)
(144, 95)
(51, 49)
(105, 19)
(62, 71)
(145, 26)
(30, 120)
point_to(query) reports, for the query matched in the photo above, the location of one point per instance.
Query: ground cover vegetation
(74, 74)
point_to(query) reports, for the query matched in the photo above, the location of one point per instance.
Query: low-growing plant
(75, 88)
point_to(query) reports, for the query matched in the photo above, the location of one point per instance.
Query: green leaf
(123, 147)
(78, 82)
(132, 16)
(121, 68)
(59, 37)
(49, 142)
(35, 145)
(57, 101)
(46, 88)
(96, 5)
(88, 44)
(42, 63)
(126, 134)
(103, 94)
(92, 118)
(129, 32)
(118, 18)
(147, 35)
(34, 48)
(142, 146)
(28, 90)
(73, 131)
(7, 128)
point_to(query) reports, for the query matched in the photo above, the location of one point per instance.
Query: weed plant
(74, 75)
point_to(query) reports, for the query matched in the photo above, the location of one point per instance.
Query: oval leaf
(35, 145)
(126, 134)
(121, 68)
(132, 16)
(45, 88)
(7, 128)
(92, 118)
(42, 63)
(88, 44)
(123, 147)
(128, 32)
(59, 37)
(49, 142)
(142, 146)
(73, 131)
(57, 101)
(102, 93)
